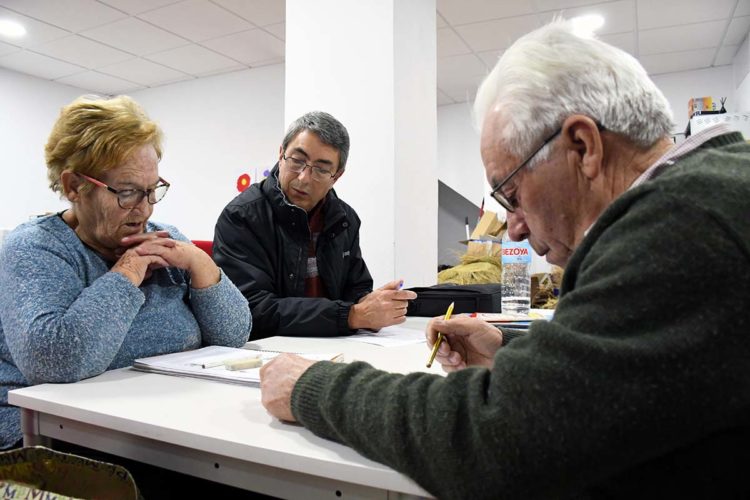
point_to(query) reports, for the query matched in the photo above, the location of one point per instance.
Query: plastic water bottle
(516, 284)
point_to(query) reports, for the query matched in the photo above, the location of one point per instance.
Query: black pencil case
(434, 300)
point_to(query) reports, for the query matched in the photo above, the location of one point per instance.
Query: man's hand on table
(277, 379)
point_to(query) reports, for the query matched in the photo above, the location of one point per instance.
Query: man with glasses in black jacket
(292, 246)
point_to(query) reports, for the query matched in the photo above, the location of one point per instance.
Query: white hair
(552, 73)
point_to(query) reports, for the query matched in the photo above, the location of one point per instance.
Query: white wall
(679, 87)
(415, 148)
(215, 129)
(459, 161)
(740, 70)
(28, 108)
(381, 86)
(743, 95)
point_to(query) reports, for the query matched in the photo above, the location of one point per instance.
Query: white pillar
(372, 65)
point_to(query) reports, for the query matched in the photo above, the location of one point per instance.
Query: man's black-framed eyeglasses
(131, 198)
(298, 165)
(510, 203)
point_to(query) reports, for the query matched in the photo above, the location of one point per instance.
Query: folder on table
(217, 363)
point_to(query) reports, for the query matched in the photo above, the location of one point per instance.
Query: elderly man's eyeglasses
(509, 201)
(131, 198)
(298, 166)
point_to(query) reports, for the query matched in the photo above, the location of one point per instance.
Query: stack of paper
(220, 363)
(517, 321)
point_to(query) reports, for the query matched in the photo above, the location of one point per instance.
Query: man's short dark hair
(328, 129)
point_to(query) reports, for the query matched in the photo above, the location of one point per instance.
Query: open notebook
(224, 364)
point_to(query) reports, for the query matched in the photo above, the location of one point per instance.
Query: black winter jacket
(261, 242)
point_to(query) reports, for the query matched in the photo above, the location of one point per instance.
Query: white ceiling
(117, 46)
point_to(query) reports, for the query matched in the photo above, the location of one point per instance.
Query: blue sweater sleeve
(221, 310)
(222, 313)
(58, 329)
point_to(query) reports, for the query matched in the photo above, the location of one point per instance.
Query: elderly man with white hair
(639, 387)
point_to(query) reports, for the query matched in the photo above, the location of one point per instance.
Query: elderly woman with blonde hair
(98, 285)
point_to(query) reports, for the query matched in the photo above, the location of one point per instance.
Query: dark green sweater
(639, 387)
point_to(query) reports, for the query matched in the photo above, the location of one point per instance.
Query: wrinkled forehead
(142, 164)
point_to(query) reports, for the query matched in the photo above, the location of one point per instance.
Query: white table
(218, 431)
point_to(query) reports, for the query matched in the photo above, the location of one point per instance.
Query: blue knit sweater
(65, 317)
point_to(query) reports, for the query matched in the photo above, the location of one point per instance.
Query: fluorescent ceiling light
(11, 29)
(584, 26)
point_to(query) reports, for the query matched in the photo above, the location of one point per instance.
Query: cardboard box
(482, 248)
(486, 237)
(488, 226)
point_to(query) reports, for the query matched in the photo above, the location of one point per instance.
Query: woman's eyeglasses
(131, 198)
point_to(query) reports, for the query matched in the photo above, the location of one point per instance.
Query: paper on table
(511, 320)
(390, 336)
(190, 364)
(503, 317)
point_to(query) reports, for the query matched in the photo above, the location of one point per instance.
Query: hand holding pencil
(440, 336)
(463, 341)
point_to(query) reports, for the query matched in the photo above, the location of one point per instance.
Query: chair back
(205, 245)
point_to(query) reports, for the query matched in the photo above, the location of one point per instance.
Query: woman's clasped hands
(143, 253)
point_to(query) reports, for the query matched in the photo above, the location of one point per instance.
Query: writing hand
(467, 342)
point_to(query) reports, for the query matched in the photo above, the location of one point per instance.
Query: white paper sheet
(390, 336)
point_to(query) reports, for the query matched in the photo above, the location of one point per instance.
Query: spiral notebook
(223, 364)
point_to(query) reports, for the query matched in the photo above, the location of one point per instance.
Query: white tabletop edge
(291, 447)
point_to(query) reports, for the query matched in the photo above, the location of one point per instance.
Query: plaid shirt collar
(670, 157)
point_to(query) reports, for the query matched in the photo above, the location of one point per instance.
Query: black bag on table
(434, 300)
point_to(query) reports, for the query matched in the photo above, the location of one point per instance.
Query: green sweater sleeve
(510, 334)
(625, 372)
